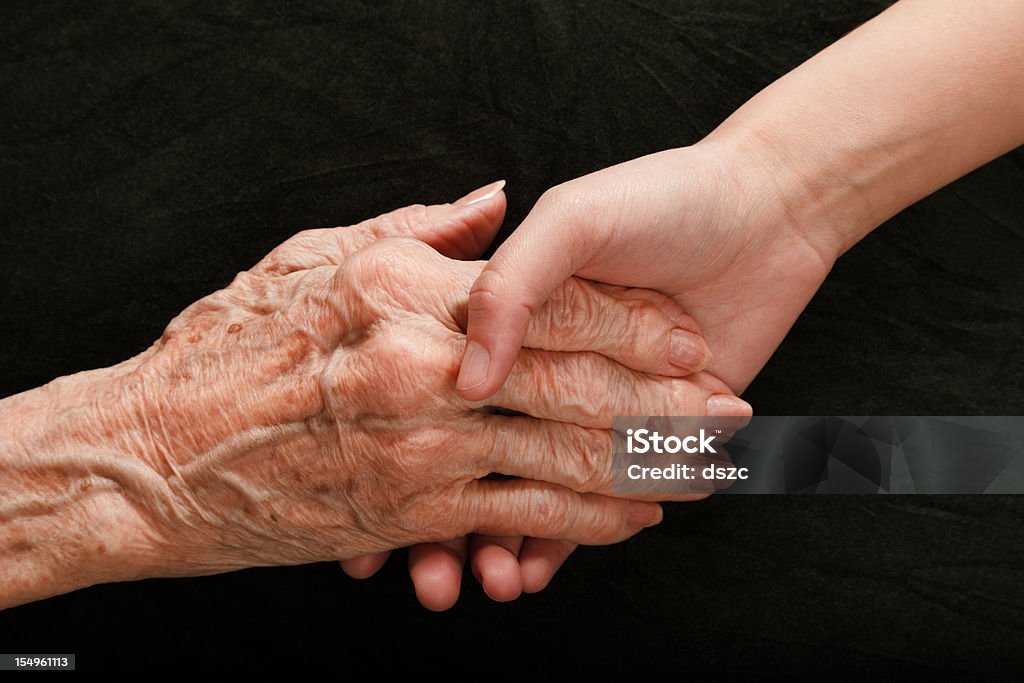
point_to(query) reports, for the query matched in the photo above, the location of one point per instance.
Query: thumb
(464, 229)
(539, 256)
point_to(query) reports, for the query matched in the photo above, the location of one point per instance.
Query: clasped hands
(354, 392)
(309, 412)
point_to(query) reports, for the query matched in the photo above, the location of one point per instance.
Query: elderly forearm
(922, 94)
(69, 514)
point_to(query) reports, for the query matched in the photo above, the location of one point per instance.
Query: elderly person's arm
(308, 412)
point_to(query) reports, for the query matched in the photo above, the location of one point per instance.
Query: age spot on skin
(21, 546)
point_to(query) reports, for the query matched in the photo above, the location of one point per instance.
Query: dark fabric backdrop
(151, 150)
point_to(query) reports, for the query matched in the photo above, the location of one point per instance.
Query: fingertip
(465, 228)
(473, 374)
(495, 564)
(366, 566)
(483, 371)
(643, 514)
(728, 405)
(499, 576)
(436, 593)
(481, 195)
(688, 351)
(503, 589)
(436, 573)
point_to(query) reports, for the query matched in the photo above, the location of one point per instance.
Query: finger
(495, 565)
(459, 230)
(562, 453)
(640, 329)
(366, 566)
(436, 572)
(539, 561)
(525, 270)
(530, 508)
(469, 230)
(589, 389)
(556, 452)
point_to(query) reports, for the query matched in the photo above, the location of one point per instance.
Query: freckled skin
(308, 412)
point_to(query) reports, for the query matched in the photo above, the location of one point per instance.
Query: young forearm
(922, 94)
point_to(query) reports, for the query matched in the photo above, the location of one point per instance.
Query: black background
(151, 150)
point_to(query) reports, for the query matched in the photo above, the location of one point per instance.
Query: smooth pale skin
(308, 412)
(742, 228)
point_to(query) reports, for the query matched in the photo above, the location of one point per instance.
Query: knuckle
(563, 197)
(297, 252)
(572, 311)
(371, 371)
(587, 386)
(553, 198)
(428, 440)
(682, 398)
(597, 461)
(488, 290)
(644, 318)
(595, 399)
(570, 207)
(409, 220)
(378, 273)
(311, 286)
(403, 221)
(244, 280)
(388, 259)
(307, 236)
(589, 449)
(352, 290)
(671, 312)
(645, 335)
(422, 452)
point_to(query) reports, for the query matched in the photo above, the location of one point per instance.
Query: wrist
(824, 200)
(871, 124)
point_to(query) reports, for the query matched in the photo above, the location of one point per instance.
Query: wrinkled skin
(507, 566)
(707, 225)
(742, 228)
(308, 411)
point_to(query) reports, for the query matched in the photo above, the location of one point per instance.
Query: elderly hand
(308, 412)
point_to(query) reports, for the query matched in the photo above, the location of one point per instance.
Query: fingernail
(643, 515)
(725, 405)
(481, 194)
(474, 366)
(688, 350)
